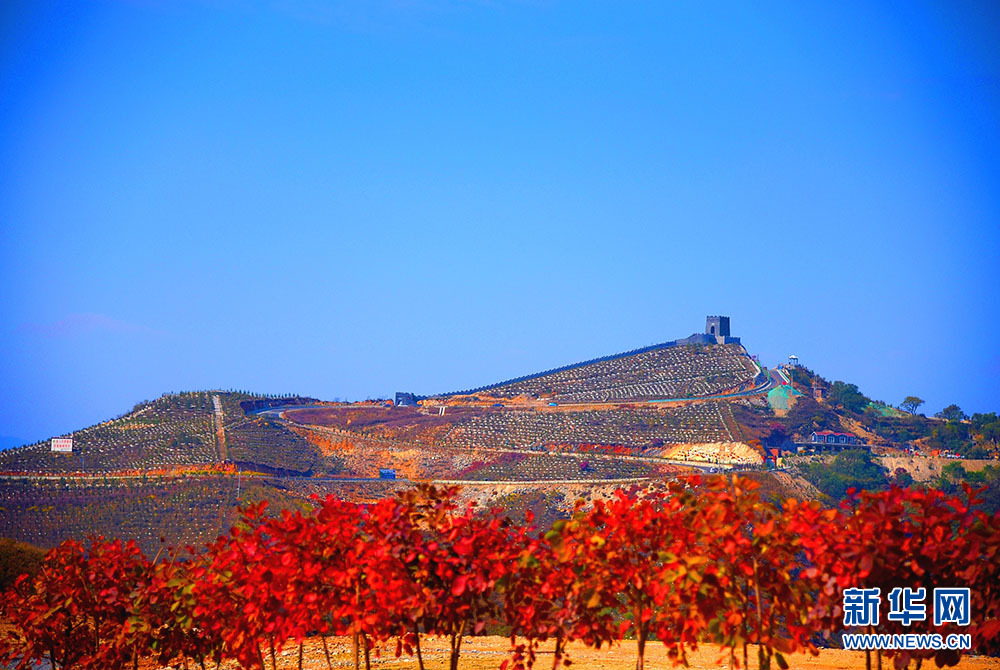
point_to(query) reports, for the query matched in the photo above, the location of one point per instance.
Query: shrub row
(699, 560)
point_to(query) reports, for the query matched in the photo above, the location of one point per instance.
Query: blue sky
(349, 199)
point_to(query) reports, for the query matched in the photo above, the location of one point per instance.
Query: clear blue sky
(347, 199)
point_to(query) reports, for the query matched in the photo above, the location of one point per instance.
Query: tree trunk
(97, 636)
(456, 646)
(558, 652)
(868, 654)
(456, 649)
(357, 658)
(762, 661)
(326, 650)
(420, 658)
(368, 653)
(300, 656)
(641, 631)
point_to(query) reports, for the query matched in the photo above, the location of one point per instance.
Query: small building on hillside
(819, 392)
(405, 399)
(830, 437)
(386, 473)
(823, 441)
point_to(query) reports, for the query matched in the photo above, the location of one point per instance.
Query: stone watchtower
(717, 326)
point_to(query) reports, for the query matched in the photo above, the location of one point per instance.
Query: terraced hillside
(664, 371)
(184, 510)
(174, 431)
(645, 429)
(195, 510)
(259, 443)
(171, 431)
(177, 467)
(359, 457)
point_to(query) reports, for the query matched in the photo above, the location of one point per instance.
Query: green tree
(902, 478)
(911, 403)
(808, 415)
(954, 472)
(848, 396)
(853, 467)
(952, 436)
(987, 429)
(951, 413)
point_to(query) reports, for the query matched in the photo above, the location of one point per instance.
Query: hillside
(184, 510)
(637, 430)
(174, 431)
(177, 466)
(822, 404)
(669, 370)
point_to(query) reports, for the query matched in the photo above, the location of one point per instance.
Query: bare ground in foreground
(486, 653)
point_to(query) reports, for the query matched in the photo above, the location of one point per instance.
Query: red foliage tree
(763, 593)
(463, 556)
(912, 538)
(690, 561)
(76, 609)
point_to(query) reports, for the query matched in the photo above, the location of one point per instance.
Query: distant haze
(350, 199)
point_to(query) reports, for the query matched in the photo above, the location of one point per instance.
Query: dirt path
(358, 437)
(487, 653)
(220, 429)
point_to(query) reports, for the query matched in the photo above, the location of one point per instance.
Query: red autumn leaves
(695, 561)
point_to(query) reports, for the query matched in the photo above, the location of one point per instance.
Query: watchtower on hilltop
(717, 326)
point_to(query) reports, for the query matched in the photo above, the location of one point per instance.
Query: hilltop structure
(716, 332)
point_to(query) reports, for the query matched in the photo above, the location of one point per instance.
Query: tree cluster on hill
(975, 438)
(953, 436)
(986, 431)
(808, 415)
(952, 413)
(954, 474)
(853, 468)
(896, 429)
(847, 396)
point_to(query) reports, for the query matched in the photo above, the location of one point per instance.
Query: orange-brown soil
(487, 653)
